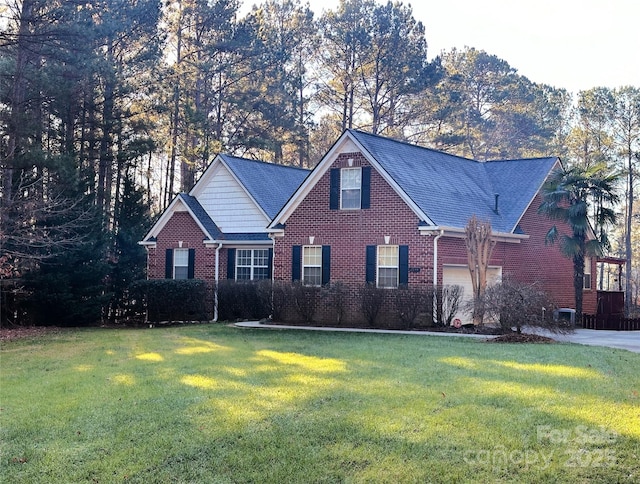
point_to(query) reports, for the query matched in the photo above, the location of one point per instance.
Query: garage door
(458, 275)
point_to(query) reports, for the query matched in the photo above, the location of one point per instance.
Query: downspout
(217, 279)
(435, 273)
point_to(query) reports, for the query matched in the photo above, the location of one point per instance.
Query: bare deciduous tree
(479, 248)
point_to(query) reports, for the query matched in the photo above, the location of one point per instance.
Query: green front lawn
(212, 403)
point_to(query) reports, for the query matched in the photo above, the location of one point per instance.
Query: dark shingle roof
(269, 184)
(202, 216)
(449, 189)
(246, 237)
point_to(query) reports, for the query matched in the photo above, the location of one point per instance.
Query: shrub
(305, 300)
(410, 302)
(338, 294)
(280, 300)
(372, 299)
(170, 299)
(449, 299)
(244, 300)
(515, 304)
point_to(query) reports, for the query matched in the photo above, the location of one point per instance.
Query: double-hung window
(350, 188)
(252, 264)
(180, 263)
(586, 281)
(312, 265)
(388, 266)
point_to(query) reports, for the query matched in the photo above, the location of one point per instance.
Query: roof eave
(459, 233)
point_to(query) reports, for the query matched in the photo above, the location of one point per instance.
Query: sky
(571, 44)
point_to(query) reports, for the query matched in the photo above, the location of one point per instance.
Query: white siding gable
(347, 146)
(229, 205)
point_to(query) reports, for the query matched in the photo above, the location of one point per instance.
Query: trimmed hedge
(244, 300)
(171, 300)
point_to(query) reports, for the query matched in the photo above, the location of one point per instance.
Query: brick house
(374, 210)
(389, 213)
(219, 229)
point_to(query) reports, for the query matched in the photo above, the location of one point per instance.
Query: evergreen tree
(128, 257)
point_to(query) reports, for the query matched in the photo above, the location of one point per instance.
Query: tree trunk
(627, 241)
(479, 248)
(18, 92)
(175, 114)
(105, 163)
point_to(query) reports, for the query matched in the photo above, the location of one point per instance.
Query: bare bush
(280, 300)
(305, 300)
(449, 299)
(338, 299)
(515, 304)
(410, 302)
(371, 301)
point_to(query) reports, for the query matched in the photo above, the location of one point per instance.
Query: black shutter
(371, 264)
(270, 264)
(296, 261)
(334, 189)
(168, 264)
(326, 264)
(403, 269)
(231, 264)
(191, 269)
(365, 193)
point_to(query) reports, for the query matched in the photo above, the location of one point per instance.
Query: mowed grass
(216, 404)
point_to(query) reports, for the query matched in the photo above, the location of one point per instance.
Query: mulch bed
(521, 338)
(466, 329)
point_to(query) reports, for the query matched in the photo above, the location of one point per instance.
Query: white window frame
(314, 264)
(379, 265)
(348, 184)
(587, 274)
(252, 265)
(181, 263)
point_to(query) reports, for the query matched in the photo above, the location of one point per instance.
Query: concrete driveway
(626, 340)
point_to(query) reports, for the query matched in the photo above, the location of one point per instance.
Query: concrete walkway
(626, 340)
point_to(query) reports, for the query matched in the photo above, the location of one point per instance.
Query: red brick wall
(545, 263)
(182, 227)
(529, 261)
(348, 232)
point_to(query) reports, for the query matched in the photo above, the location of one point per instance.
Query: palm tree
(581, 198)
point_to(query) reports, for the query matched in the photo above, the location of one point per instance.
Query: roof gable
(442, 189)
(269, 184)
(181, 203)
(236, 196)
(449, 189)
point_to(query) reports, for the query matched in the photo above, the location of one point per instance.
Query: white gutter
(461, 234)
(435, 257)
(435, 274)
(217, 278)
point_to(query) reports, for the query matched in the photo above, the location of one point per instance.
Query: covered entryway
(458, 275)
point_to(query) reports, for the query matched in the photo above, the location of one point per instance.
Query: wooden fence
(610, 322)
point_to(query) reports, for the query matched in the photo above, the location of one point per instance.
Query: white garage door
(458, 275)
